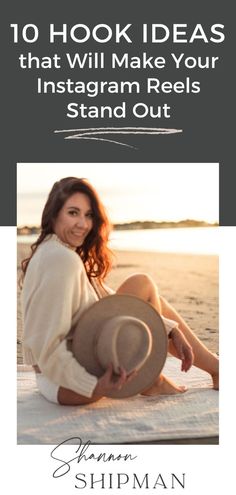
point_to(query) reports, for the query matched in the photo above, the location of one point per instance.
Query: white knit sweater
(56, 292)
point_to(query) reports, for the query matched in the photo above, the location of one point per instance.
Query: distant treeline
(135, 226)
(163, 225)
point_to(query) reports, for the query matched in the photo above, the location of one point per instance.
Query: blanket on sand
(138, 419)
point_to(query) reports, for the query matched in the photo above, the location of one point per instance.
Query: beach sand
(189, 282)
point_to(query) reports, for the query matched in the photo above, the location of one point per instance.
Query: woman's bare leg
(203, 358)
(144, 287)
(141, 285)
(67, 397)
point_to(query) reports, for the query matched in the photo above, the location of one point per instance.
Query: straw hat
(126, 331)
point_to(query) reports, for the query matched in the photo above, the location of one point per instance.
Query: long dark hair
(94, 252)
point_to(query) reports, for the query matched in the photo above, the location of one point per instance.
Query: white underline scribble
(90, 133)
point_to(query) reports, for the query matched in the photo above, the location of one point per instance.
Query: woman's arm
(106, 383)
(183, 349)
(51, 296)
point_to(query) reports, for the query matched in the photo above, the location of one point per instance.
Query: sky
(129, 191)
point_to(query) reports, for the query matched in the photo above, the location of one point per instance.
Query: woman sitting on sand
(63, 277)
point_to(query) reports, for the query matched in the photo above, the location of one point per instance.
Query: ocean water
(187, 240)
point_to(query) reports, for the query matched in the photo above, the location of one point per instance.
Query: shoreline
(188, 281)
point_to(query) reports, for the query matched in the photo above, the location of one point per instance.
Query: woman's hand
(110, 382)
(183, 348)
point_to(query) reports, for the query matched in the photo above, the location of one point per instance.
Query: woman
(64, 276)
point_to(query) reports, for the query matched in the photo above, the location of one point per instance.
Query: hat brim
(116, 305)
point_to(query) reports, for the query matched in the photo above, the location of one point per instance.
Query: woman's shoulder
(51, 253)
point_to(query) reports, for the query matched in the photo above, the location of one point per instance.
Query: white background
(209, 469)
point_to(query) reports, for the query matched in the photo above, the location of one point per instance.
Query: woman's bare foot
(214, 371)
(215, 379)
(164, 386)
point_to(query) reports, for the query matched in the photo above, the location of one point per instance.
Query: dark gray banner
(121, 82)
